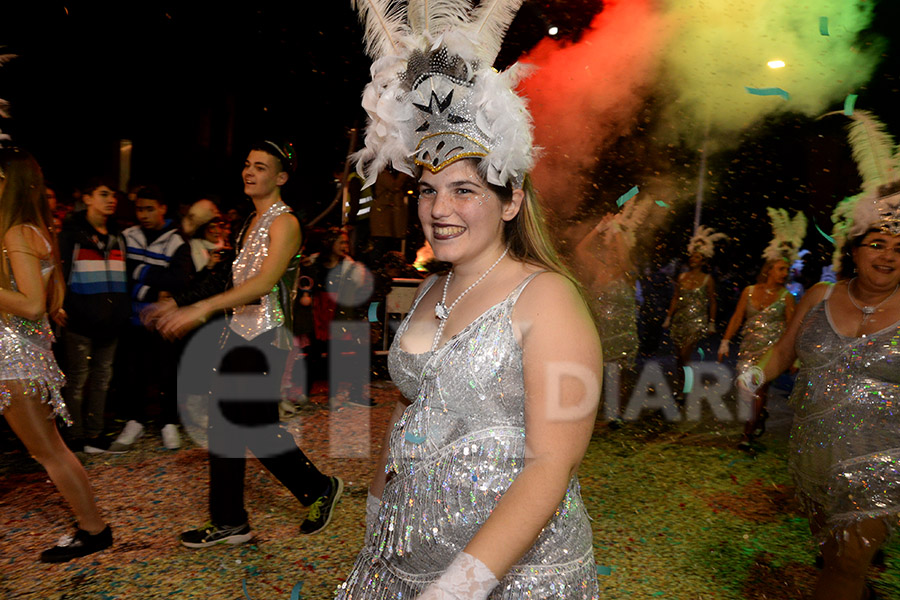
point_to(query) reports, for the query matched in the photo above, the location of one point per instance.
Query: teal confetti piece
(244, 586)
(850, 104)
(627, 196)
(295, 593)
(688, 379)
(603, 570)
(825, 235)
(768, 92)
(701, 353)
(661, 203)
(413, 438)
(823, 26)
(373, 312)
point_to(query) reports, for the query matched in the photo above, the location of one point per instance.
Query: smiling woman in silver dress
(476, 494)
(845, 441)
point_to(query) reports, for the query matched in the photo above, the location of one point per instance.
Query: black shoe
(80, 544)
(744, 445)
(210, 535)
(761, 423)
(321, 511)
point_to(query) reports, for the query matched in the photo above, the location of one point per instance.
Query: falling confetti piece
(373, 312)
(850, 104)
(413, 438)
(627, 196)
(768, 92)
(701, 353)
(825, 235)
(661, 203)
(688, 379)
(823, 26)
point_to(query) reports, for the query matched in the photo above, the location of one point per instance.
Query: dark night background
(192, 83)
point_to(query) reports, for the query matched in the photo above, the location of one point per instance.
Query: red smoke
(586, 94)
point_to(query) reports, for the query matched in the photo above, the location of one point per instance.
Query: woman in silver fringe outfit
(476, 495)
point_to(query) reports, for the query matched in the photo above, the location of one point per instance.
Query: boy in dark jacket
(92, 250)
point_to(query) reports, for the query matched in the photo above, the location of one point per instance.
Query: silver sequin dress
(615, 310)
(455, 451)
(845, 440)
(762, 328)
(26, 358)
(690, 320)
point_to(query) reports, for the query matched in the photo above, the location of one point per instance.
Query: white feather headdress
(704, 241)
(434, 97)
(627, 221)
(787, 235)
(878, 205)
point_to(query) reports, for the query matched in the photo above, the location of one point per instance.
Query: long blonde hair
(24, 202)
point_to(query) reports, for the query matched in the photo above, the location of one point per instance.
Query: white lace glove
(667, 322)
(373, 505)
(752, 379)
(467, 578)
(724, 348)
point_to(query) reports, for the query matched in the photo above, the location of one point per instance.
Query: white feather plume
(385, 25)
(434, 17)
(489, 24)
(873, 150)
(787, 235)
(704, 241)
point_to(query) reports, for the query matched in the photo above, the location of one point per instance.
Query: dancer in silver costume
(764, 309)
(845, 440)
(31, 285)
(476, 495)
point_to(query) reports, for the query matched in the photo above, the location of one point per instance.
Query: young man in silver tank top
(253, 358)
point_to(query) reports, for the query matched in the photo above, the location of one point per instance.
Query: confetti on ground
(666, 512)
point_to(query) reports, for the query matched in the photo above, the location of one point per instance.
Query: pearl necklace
(442, 311)
(867, 311)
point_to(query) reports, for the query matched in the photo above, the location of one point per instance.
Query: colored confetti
(688, 379)
(823, 26)
(824, 235)
(701, 353)
(775, 91)
(413, 438)
(627, 196)
(295, 593)
(373, 312)
(661, 203)
(850, 104)
(604, 570)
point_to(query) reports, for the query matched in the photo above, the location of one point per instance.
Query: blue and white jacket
(157, 261)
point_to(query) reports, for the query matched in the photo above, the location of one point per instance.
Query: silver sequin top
(762, 328)
(455, 451)
(26, 356)
(691, 317)
(251, 320)
(845, 441)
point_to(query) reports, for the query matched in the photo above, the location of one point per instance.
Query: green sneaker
(321, 511)
(210, 535)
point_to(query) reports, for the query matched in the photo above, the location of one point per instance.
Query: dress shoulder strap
(40, 234)
(514, 295)
(427, 286)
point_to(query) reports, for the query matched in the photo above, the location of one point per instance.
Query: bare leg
(847, 562)
(30, 419)
(759, 403)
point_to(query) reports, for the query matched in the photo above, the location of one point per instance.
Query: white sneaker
(133, 430)
(171, 437)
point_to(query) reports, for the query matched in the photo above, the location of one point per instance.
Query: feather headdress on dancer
(434, 97)
(878, 205)
(626, 222)
(787, 235)
(704, 241)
